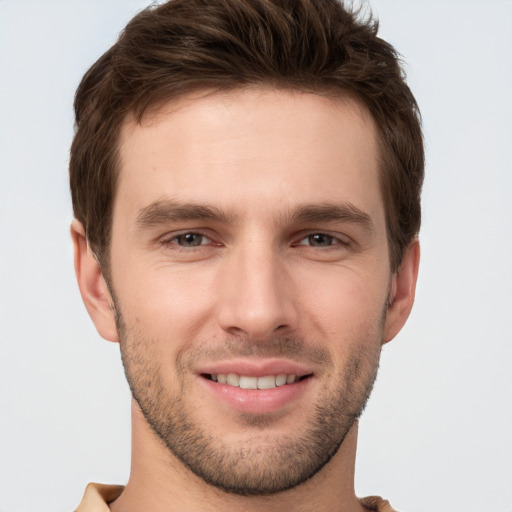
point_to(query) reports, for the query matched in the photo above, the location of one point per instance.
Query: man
(246, 178)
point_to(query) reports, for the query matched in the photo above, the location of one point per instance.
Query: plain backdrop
(437, 433)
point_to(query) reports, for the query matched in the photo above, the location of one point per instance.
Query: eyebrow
(161, 212)
(333, 212)
(164, 211)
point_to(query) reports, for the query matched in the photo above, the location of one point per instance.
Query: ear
(403, 288)
(92, 284)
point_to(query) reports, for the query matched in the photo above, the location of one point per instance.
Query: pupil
(320, 240)
(191, 240)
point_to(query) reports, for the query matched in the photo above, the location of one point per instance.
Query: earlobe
(92, 284)
(402, 292)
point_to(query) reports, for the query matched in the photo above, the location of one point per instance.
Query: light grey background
(437, 434)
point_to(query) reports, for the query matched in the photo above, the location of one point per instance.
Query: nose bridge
(257, 299)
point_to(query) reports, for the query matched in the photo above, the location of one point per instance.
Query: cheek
(344, 303)
(168, 303)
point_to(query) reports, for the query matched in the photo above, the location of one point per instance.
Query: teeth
(290, 379)
(280, 379)
(267, 382)
(233, 379)
(247, 382)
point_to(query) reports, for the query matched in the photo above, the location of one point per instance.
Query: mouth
(252, 382)
(256, 387)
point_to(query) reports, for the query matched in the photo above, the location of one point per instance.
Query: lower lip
(257, 401)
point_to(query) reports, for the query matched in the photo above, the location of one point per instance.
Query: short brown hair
(184, 45)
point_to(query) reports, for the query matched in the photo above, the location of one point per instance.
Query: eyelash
(172, 241)
(335, 241)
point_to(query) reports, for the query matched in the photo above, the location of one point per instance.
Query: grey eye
(320, 240)
(190, 240)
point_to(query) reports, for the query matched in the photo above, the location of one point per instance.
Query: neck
(159, 482)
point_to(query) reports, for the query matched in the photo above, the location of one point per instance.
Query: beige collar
(97, 497)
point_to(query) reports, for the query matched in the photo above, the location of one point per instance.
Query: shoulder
(97, 497)
(377, 504)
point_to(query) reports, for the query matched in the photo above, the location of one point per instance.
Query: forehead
(248, 148)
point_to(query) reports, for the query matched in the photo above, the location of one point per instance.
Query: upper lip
(255, 367)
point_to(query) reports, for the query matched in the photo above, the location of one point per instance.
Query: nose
(257, 298)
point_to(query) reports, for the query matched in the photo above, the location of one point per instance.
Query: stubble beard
(260, 465)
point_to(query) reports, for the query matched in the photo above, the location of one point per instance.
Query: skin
(276, 278)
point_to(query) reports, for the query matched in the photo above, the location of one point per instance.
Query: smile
(250, 382)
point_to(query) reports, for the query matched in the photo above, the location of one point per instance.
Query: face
(251, 277)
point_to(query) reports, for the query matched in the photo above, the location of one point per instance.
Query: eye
(320, 240)
(190, 240)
